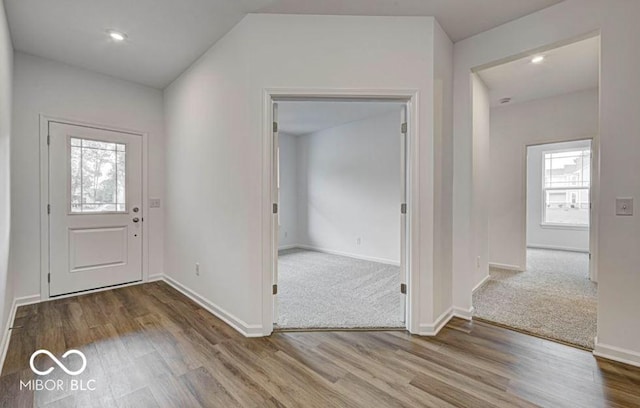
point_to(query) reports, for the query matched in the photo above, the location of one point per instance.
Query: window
(566, 187)
(98, 173)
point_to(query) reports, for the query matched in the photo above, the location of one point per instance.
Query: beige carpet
(553, 298)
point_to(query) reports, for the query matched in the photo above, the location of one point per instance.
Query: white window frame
(569, 189)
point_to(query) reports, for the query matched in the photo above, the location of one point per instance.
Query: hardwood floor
(149, 346)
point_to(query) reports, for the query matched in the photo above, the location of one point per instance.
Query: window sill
(565, 226)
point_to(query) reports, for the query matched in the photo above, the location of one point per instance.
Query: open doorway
(544, 111)
(341, 235)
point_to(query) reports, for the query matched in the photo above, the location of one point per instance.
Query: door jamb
(44, 196)
(408, 96)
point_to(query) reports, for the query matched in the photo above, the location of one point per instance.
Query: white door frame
(593, 198)
(44, 198)
(408, 96)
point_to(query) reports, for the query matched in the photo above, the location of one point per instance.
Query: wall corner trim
(6, 335)
(507, 267)
(434, 328)
(481, 284)
(616, 354)
(347, 254)
(466, 314)
(247, 330)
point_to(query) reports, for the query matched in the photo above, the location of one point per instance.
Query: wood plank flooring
(150, 346)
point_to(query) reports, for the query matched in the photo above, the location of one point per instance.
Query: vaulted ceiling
(166, 36)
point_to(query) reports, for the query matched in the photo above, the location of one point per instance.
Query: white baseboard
(434, 328)
(6, 333)
(466, 314)
(247, 330)
(616, 354)
(481, 284)
(283, 247)
(156, 277)
(558, 248)
(505, 266)
(347, 254)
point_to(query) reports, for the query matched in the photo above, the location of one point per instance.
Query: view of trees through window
(98, 172)
(567, 181)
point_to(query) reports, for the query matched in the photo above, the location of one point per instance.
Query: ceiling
(570, 68)
(459, 18)
(166, 36)
(304, 117)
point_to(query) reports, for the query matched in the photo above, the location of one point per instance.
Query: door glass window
(98, 174)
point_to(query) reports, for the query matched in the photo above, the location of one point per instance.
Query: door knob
(136, 219)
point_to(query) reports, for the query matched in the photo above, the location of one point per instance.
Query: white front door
(95, 213)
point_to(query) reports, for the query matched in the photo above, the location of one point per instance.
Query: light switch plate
(624, 206)
(154, 203)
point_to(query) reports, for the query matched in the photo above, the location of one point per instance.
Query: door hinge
(275, 208)
(274, 289)
(403, 208)
(48, 140)
(275, 127)
(403, 288)
(589, 256)
(48, 208)
(48, 278)
(404, 128)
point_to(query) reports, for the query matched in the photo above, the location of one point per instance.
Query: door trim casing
(408, 96)
(44, 196)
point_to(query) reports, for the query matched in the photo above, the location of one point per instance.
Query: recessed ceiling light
(117, 35)
(537, 59)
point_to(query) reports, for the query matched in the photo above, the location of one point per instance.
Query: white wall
(46, 87)
(480, 197)
(549, 237)
(617, 258)
(288, 204)
(214, 117)
(6, 69)
(443, 170)
(349, 188)
(560, 118)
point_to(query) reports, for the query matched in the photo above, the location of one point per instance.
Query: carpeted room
(544, 177)
(339, 219)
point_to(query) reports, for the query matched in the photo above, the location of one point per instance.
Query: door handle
(136, 219)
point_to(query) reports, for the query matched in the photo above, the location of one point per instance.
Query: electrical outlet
(477, 262)
(624, 206)
(358, 241)
(154, 203)
(197, 269)
(285, 234)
